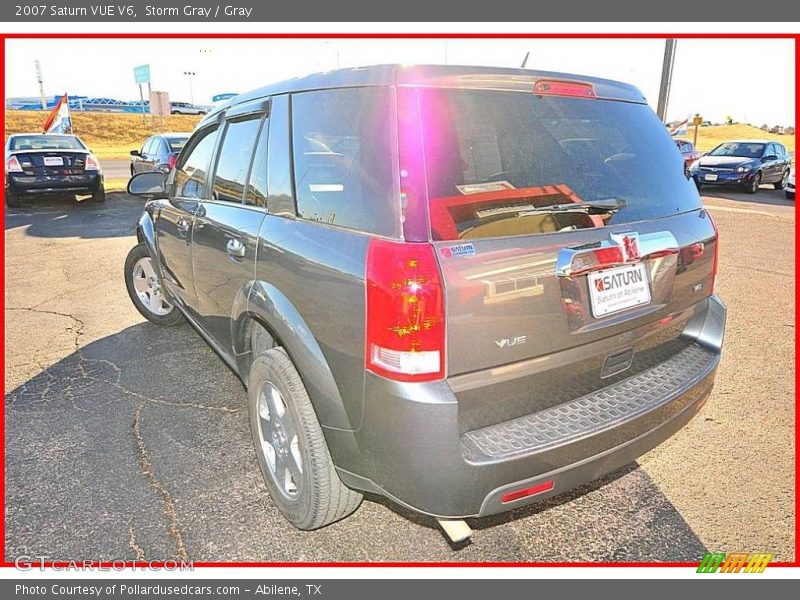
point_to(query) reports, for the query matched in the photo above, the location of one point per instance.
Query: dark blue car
(745, 163)
(47, 164)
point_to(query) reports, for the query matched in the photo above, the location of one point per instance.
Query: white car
(790, 186)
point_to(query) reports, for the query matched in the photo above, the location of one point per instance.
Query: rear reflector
(527, 492)
(553, 87)
(172, 160)
(13, 166)
(405, 311)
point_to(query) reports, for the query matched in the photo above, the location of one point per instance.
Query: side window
(147, 146)
(781, 150)
(257, 185)
(235, 156)
(772, 150)
(158, 147)
(192, 171)
(342, 149)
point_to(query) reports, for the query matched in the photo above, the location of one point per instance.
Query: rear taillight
(13, 166)
(171, 161)
(92, 164)
(715, 269)
(405, 311)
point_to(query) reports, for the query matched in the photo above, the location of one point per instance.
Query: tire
(752, 187)
(13, 200)
(133, 171)
(298, 471)
(135, 273)
(99, 195)
(779, 185)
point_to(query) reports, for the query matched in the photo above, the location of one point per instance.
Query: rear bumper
(31, 184)
(421, 459)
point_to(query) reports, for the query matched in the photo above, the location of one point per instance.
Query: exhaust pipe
(456, 529)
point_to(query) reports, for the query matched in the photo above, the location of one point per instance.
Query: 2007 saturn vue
(464, 289)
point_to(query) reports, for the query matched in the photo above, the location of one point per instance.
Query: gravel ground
(127, 441)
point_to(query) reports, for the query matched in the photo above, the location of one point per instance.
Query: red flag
(58, 121)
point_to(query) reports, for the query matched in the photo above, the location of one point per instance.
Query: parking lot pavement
(125, 440)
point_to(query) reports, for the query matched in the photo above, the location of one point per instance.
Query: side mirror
(149, 185)
(135, 153)
(770, 157)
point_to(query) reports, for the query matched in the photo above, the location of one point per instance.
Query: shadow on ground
(137, 447)
(63, 216)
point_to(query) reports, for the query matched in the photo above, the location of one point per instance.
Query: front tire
(291, 448)
(752, 187)
(145, 290)
(779, 185)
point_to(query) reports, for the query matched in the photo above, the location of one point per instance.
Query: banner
(59, 120)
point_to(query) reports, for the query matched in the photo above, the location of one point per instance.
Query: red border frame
(107, 565)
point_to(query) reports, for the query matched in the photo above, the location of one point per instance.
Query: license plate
(613, 290)
(53, 161)
(711, 177)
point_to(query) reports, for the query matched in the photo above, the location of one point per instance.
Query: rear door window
(192, 170)
(495, 161)
(235, 156)
(343, 159)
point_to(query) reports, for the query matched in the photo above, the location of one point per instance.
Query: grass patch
(108, 135)
(709, 138)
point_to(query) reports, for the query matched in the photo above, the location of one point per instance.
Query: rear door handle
(236, 248)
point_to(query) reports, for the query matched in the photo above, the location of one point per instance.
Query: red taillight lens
(553, 87)
(405, 311)
(171, 161)
(715, 269)
(13, 166)
(92, 164)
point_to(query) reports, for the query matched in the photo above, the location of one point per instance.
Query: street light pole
(666, 79)
(190, 74)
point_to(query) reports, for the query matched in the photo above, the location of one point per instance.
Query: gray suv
(463, 289)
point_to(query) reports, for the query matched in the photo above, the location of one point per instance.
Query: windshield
(494, 160)
(176, 144)
(46, 142)
(740, 149)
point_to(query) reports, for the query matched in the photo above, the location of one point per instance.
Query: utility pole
(190, 74)
(666, 79)
(41, 83)
(525, 60)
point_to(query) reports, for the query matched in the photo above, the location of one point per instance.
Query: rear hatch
(566, 231)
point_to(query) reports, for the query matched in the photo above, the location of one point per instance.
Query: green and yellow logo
(734, 563)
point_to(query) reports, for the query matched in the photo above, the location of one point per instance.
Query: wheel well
(255, 337)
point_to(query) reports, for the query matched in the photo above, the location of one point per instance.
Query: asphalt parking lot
(128, 441)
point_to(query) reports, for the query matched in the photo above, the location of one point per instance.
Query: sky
(750, 80)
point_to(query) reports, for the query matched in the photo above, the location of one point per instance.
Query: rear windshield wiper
(592, 207)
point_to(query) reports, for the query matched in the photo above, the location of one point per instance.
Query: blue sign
(142, 74)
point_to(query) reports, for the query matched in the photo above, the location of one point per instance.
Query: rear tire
(779, 185)
(752, 187)
(99, 195)
(137, 266)
(13, 200)
(291, 448)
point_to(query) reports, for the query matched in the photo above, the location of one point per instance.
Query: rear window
(343, 160)
(494, 160)
(176, 144)
(46, 142)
